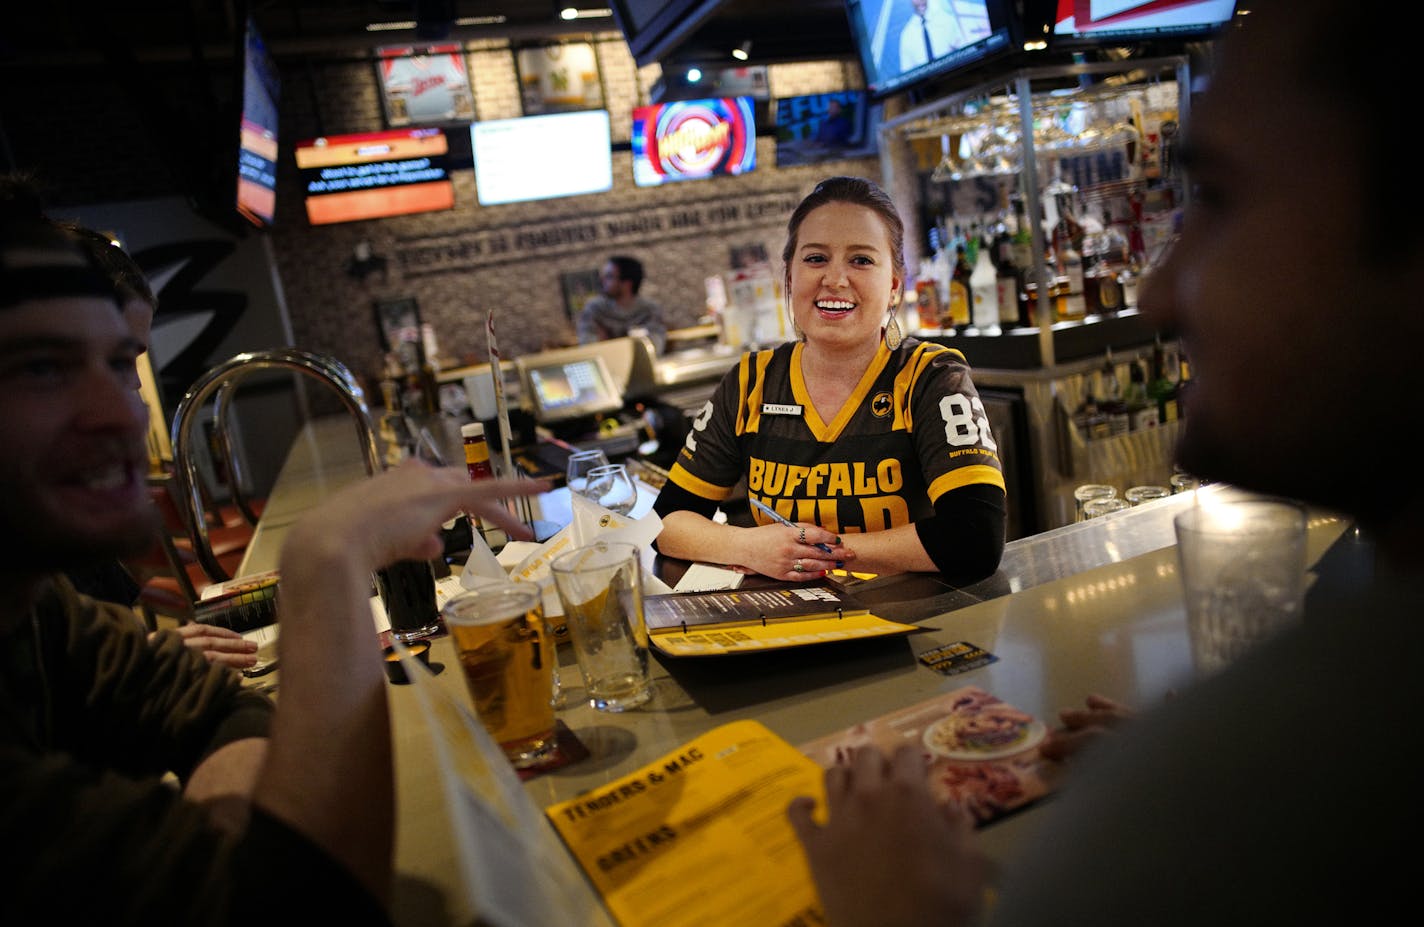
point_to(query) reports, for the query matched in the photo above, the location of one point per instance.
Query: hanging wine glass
(948, 168)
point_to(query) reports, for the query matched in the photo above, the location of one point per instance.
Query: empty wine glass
(580, 462)
(613, 488)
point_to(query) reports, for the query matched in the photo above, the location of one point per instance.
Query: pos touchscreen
(570, 388)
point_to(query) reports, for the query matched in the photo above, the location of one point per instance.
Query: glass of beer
(507, 655)
(407, 591)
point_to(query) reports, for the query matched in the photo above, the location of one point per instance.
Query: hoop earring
(795, 329)
(893, 336)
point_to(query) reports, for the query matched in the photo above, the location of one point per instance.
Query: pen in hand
(776, 516)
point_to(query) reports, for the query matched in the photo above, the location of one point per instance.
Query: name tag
(771, 408)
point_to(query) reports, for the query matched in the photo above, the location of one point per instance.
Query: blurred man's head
(72, 477)
(20, 199)
(1294, 288)
(135, 295)
(622, 277)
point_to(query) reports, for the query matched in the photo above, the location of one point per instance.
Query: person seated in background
(619, 311)
(275, 805)
(1282, 789)
(111, 580)
(875, 445)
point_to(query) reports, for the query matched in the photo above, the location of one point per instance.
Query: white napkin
(591, 522)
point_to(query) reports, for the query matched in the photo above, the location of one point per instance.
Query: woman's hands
(791, 553)
(890, 855)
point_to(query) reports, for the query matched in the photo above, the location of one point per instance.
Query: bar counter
(1091, 607)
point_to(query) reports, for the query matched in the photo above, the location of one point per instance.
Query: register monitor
(560, 390)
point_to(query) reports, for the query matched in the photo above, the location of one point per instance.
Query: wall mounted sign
(424, 85)
(521, 241)
(559, 78)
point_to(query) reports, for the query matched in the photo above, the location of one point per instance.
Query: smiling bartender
(876, 444)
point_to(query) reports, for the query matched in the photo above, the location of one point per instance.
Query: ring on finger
(796, 567)
(803, 534)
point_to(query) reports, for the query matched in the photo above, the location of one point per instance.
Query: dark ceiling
(69, 33)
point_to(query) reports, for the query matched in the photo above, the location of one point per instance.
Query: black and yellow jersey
(913, 429)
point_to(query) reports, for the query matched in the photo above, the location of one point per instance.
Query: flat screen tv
(1097, 23)
(425, 85)
(570, 388)
(372, 175)
(693, 139)
(257, 136)
(825, 126)
(541, 157)
(901, 48)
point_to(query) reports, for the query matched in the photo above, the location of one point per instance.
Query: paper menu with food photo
(983, 752)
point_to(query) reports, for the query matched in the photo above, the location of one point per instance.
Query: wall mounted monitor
(372, 175)
(257, 136)
(693, 139)
(901, 48)
(1099, 23)
(541, 157)
(559, 78)
(825, 126)
(424, 84)
(569, 388)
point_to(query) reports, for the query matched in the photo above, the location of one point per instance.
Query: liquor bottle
(1021, 247)
(960, 299)
(1089, 418)
(1161, 391)
(984, 291)
(1110, 400)
(927, 305)
(1006, 280)
(1068, 230)
(1022, 240)
(971, 243)
(1067, 239)
(1112, 262)
(943, 274)
(1140, 413)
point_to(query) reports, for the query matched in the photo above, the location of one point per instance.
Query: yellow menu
(700, 837)
(768, 618)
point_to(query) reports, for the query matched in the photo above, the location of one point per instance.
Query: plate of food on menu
(979, 726)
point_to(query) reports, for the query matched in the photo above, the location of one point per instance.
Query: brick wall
(128, 145)
(332, 312)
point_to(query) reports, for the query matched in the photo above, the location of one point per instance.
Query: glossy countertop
(1091, 607)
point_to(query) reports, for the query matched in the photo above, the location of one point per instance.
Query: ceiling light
(744, 51)
(694, 75)
(599, 12)
(462, 21)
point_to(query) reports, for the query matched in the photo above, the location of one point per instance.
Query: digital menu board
(371, 175)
